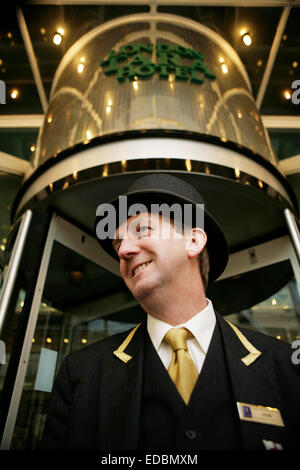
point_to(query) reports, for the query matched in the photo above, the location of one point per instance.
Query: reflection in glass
(57, 334)
(277, 316)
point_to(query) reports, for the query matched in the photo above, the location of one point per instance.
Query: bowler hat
(159, 188)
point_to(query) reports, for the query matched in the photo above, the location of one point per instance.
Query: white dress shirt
(201, 326)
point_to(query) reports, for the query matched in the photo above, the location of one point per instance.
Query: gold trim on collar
(120, 351)
(253, 352)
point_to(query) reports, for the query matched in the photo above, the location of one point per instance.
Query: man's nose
(128, 248)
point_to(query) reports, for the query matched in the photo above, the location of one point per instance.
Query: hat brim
(216, 242)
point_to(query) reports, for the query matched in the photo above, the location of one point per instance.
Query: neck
(174, 309)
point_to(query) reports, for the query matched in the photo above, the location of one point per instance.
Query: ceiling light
(295, 64)
(259, 63)
(76, 275)
(80, 67)
(287, 95)
(246, 38)
(57, 39)
(224, 68)
(14, 94)
(58, 36)
(43, 31)
(32, 148)
(188, 165)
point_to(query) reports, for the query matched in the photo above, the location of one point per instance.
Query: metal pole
(32, 59)
(272, 55)
(293, 231)
(13, 266)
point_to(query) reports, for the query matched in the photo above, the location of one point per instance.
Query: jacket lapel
(120, 395)
(255, 384)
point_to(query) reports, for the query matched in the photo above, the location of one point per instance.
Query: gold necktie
(182, 369)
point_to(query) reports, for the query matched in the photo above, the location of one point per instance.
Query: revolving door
(79, 298)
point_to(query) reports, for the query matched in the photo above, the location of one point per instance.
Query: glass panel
(20, 143)
(21, 92)
(10, 331)
(71, 317)
(284, 72)
(286, 143)
(9, 186)
(277, 316)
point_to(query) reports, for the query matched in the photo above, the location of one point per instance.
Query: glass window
(277, 316)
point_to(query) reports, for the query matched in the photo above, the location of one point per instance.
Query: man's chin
(141, 293)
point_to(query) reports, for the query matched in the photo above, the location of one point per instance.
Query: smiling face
(152, 255)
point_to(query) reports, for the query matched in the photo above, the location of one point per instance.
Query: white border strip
(21, 121)
(36, 121)
(290, 166)
(281, 122)
(13, 165)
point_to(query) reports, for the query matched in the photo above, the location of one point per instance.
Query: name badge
(260, 414)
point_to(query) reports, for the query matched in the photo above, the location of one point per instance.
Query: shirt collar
(200, 325)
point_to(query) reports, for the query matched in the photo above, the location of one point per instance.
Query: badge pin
(271, 445)
(260, 414)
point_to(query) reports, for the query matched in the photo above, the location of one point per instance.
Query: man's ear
(196, 240)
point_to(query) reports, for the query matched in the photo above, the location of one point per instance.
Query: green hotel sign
(133, 61)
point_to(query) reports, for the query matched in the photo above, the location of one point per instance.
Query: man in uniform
(184, 378)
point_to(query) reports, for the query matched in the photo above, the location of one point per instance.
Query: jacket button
(191, 434)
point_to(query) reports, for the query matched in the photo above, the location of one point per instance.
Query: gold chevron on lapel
(253, 352)
(120, 351)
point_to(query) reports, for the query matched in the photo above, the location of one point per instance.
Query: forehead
(145, 217)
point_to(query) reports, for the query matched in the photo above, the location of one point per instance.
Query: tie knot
(176, 337)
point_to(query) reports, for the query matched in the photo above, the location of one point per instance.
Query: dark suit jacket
(96, 400)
